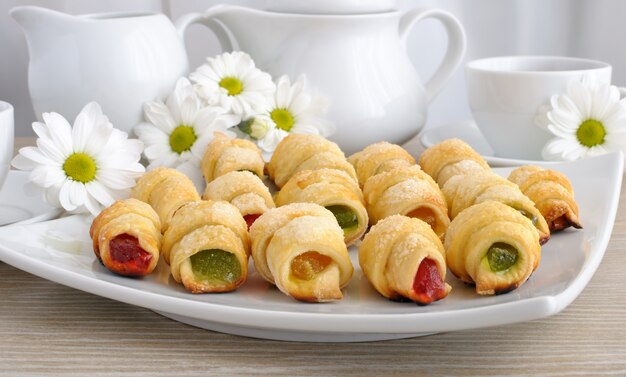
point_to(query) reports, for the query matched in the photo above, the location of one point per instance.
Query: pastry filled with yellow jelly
(300, 248)
(404, 259)
(217, 268)
(427, 215)
(333, 189)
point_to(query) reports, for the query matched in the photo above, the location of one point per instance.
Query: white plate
(20, 207)
(60, 251)
(469, 133)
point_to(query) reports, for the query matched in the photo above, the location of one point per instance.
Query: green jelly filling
(501, 256)
(345, 217)
(216, 265)
(529, 216)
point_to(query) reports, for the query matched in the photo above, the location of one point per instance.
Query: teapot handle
(207, 19)
(456, 45)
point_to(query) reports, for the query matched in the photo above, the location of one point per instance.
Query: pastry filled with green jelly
(493, 246)
(207, 247)
(333, 189)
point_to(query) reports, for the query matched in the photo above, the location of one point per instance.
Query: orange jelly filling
(307, 265)
(425, 214)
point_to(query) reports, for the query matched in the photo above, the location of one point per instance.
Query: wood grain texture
(47, 329)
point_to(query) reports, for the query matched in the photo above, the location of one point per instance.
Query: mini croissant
(300, 249)
(127, 237)
(166, 190)
(224, 155)
(336, 191)
(552, 193)
(449, 158)
(299, 152)
(492, 246)
(406, 191)
(403, 258)
(379, 158)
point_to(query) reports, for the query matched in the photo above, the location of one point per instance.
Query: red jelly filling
(428, 285)
(250, 219)
(128, 257)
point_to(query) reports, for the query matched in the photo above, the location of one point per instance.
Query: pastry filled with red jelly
(127, 238)
(403, 258)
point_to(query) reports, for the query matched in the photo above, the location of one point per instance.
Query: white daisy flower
(232, 81)
(263, 130)
(296, 109)
(81, 168)
(588, 120)
(178, 131)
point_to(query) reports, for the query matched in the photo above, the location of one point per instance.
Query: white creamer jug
(357, 60)
(120, 60)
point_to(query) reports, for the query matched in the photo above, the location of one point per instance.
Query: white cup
(6, 139)
(505, 94)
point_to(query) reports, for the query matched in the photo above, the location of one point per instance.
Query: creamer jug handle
(456, 45)
(207, 19)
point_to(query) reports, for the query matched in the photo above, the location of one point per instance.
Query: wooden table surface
(49, 329)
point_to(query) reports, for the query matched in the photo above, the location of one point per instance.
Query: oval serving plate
(60, 250)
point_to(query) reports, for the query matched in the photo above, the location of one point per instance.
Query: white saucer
(19, 207)
(469, 133)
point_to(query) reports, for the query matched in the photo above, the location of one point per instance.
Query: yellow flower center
(233, 85)
(283, 119)
(591, 133)
(182, 139)
(80, 167)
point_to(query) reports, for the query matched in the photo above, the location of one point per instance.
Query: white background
(583, 28)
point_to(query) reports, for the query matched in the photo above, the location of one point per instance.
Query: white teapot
(354, 54)
(120, 60)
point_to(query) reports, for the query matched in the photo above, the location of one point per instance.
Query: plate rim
(491, 159)
(347, 323)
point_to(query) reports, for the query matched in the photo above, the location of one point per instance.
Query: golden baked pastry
(406, 191)
(463, 191)
(298, 152)
(449, 158)
(493, 246)
(404, 259)
(166, 190)
(379, 158)
(127, 237)
(207, 247)
(552, 193)
(224, 155)
(244, 190)
(333, 189)
(299, 248)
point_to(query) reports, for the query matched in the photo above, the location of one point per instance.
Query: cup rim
(480, 65)
(5, 106)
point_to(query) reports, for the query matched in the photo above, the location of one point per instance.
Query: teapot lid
(331, 6)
